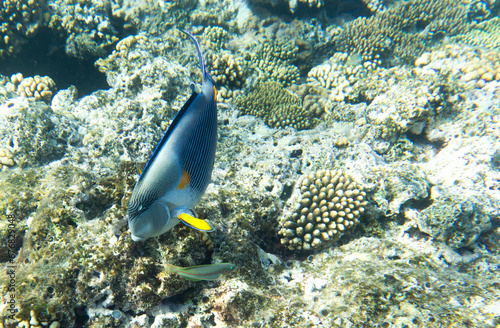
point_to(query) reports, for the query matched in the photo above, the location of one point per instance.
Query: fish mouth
(136, 238)
(153, 222)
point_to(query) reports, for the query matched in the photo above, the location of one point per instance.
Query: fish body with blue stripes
(179, 171)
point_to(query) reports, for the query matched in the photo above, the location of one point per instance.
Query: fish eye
(139, 208)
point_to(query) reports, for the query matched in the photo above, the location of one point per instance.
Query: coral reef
(386, 282)
(274, 61)
(340, 75)
(19, 19)
(293, 4)
(484, 34)
(400, 99)
(417, 143)
(456, 222)
(208, 13)
(38, 87)
(404, 31)
(393, 115)
(6, 158)
(275, 105)
(330, 205)
(139, 62)
(226, 70)
(33, 322)
(88, 25)
(476, 67)
(34, 133)
(67, 245)
(315, 100)
(481, 10)
(151, 17)
(214, 37)
(395, 185)
(377, 6)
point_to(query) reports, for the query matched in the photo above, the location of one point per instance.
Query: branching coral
(274, 60)
(88, 25)
(19, 19)
(340, 74)
(276, 105)
(485, 34)
(403, 31)
(215, 37)
(226, 69)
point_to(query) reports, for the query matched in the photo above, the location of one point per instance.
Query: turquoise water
(356, 180)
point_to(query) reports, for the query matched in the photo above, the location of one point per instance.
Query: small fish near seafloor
(201, 272)
(179, 171)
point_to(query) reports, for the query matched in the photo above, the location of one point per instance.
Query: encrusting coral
(34, 133)
(329, 206)
(455, 221)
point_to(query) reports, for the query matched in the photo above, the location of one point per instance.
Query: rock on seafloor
(374, 200)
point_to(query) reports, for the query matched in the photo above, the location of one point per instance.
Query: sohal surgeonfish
(179, 171)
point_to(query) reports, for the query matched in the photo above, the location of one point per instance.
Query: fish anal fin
(192, 279)
(197, 224)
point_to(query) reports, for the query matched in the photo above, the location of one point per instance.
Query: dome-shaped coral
(329, 205)
(38, 87)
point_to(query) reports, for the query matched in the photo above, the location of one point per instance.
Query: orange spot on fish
(215, 94)
(184, 180)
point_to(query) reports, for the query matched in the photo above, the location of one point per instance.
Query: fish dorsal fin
(197, 224)
(200, 54)
(169, 131)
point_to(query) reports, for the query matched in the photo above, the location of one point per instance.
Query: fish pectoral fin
(198, 224)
